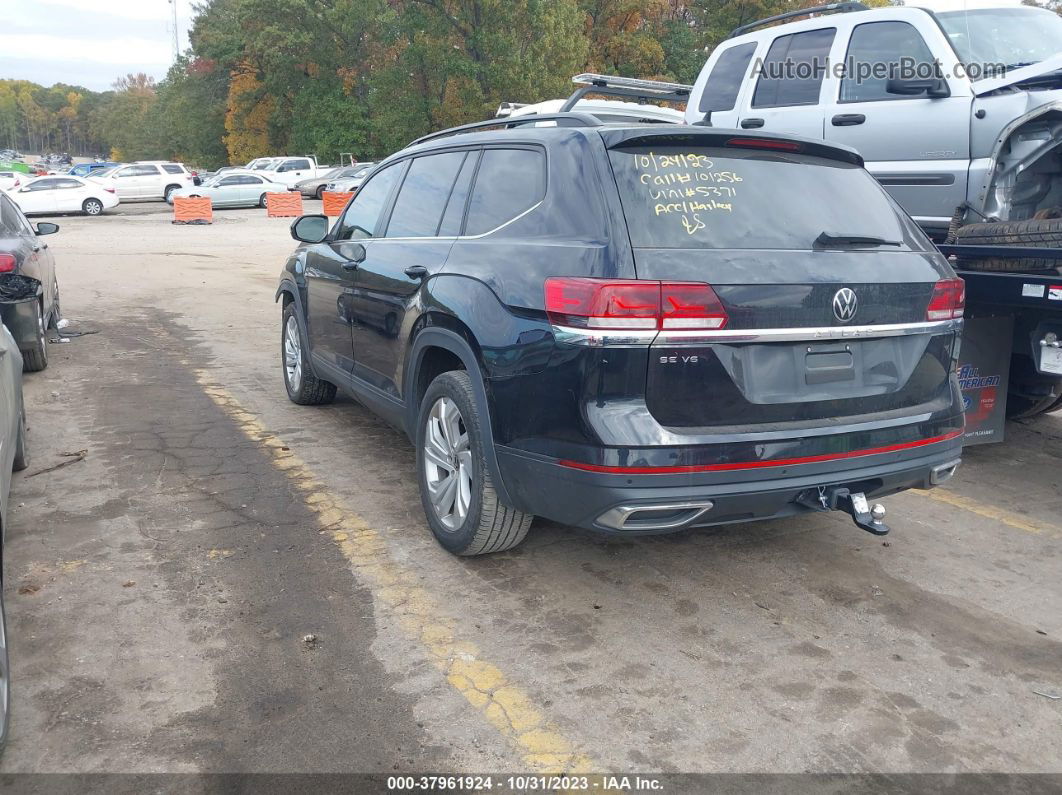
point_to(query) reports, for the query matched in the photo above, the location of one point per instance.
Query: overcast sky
(88, 42)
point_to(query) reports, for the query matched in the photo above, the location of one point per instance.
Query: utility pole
(176, 35)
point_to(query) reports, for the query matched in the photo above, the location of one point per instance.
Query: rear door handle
(848, 119)
(416, 271)
(350, 266)
(749, 124)
(35, 248)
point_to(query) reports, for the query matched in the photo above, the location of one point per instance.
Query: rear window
(172, 168)
(509, 183)
(693, 197)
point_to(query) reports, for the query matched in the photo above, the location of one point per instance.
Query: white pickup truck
(289, 170)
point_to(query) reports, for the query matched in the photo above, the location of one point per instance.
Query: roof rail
(562, 120)
(612, 86)
(829, 8)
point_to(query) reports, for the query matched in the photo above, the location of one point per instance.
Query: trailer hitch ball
(867, 517)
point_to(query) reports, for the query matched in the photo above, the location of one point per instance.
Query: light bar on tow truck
(644, 91)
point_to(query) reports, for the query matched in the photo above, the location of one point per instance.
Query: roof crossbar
(829, 8)
(561, 119)
(611, 86)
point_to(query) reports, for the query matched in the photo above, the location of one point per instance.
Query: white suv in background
(154, 179)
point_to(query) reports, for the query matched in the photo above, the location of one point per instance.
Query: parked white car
(11, 179)
(233, 189)
(63, 194)
(154, 180)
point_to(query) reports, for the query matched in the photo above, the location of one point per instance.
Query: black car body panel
(784, 398)
(31, 276)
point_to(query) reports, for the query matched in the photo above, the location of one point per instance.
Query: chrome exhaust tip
(666, 516)
(943, 473)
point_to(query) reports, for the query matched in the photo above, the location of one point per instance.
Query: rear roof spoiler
(721, 137)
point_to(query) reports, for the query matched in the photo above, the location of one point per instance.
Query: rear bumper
(638, 503)
(20, 317)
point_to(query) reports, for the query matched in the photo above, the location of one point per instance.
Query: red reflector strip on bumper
(778, 462)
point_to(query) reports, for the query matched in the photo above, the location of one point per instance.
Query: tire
(92, 207)
(1023, 408)
(262, 200)
(35, 359)
(1035, 234)
(466, 516)
(320, 193)
(169, 190)
(57, 311)
(5, 678)
(302, 385)
(22, 459)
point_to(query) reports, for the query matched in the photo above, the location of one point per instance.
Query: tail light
(7, 263)
(948, 301)
(109, 190)
(630, 304)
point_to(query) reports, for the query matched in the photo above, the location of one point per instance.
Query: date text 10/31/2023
(685, 185)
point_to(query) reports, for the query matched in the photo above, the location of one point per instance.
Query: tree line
(363, 76)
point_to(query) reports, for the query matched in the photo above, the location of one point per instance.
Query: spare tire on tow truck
(1035, 233)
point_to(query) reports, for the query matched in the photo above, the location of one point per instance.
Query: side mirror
(310, 228)
(47, 228)
(932, 87)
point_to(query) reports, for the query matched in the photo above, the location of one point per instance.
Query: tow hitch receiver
(869, 517)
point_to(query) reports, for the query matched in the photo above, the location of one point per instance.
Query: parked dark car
(632, 329)
(29, 290)
(314, 187)
(13, 456)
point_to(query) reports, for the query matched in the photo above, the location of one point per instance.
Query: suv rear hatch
(832, 305)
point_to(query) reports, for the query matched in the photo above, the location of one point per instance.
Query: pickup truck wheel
(1035, 234)
(303, 386)
(460, 503)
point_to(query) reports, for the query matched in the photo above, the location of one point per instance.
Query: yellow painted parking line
(991, 512)
(507, 707)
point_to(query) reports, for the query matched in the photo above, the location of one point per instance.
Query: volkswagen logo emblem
(845, 304)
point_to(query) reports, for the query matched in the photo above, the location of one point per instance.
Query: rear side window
(509, 182)
(450, 225)
(892, 43)
(792, 72)
(362, 217)
(693, 197)
(724, 83)
(172, 168)
(422, 198)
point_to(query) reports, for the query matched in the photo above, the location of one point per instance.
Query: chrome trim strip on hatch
(807, 334)
(640, 338)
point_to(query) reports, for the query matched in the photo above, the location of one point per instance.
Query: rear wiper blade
(839, 241)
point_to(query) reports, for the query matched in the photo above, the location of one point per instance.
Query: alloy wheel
(448, 463)
(293, 354)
